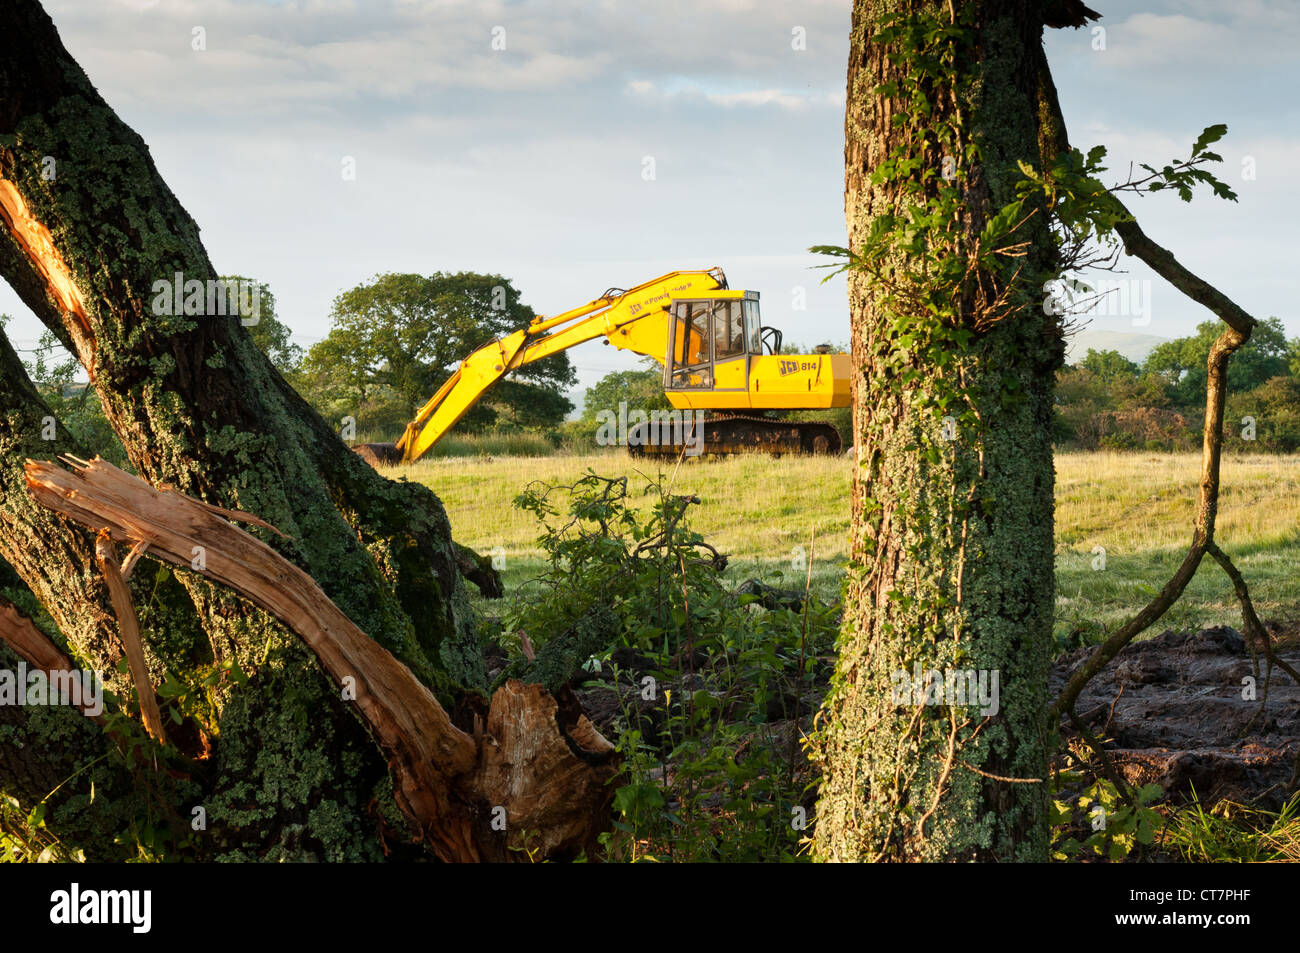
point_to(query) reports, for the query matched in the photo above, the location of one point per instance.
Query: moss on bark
(952, 549)
(199, 408)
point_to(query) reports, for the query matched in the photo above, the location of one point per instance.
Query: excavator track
(733, 433)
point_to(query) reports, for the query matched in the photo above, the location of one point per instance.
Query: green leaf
(1149, 793)
(1210, 134)
(633, 799)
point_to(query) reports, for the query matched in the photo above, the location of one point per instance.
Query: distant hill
(1135, 347)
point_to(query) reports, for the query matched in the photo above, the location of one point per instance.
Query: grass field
(765, 512)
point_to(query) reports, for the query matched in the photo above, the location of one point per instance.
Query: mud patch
(1177, 711)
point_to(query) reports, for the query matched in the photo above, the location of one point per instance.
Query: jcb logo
(794, 367)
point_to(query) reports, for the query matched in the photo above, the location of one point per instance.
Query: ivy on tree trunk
(952, 527)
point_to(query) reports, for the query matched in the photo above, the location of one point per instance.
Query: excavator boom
(634, 319)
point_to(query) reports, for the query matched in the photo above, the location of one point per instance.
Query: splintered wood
(35, 239)
(128, 624)
(452, 785)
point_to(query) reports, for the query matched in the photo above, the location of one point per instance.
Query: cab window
(692, 355)
(692, 334)
(728, 330)
(754, 328)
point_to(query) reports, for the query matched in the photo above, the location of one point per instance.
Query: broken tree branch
(35, 647)
(1202, 534)
(425, 749)
(449, 784)
(128, 624)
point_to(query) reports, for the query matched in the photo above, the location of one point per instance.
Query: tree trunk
(952, 548)
(90, 228)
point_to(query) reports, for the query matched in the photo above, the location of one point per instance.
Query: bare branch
(1164, 264)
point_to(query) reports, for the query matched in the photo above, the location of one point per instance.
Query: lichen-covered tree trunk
(952, 548)
(89, 229)
(41, 747)
(92, 228)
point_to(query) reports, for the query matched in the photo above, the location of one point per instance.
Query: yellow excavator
(718, 359)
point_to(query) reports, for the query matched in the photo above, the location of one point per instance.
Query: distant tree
(405, 334)
(529, 406)
(1108, 366)
(640, 389)
(1274, 409)
(272, 337)
(1182, 362)
(1293, 357)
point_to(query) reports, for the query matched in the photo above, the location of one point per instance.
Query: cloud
(694, 94)
(1236, 36)
(528, 160)
(302, 50)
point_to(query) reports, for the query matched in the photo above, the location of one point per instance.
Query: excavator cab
(711, 341)
(723, 363)
(721, 358)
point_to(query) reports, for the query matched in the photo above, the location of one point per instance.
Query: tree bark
(89, 228)
(952, 530)
(196, 405)
(55, 559)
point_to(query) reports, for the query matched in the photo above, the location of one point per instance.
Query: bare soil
(1174, 710)
(1177, 710)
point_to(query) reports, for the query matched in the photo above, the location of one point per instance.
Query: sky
(574, 145)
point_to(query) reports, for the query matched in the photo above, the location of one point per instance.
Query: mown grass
(1140, 507)
(764, 511)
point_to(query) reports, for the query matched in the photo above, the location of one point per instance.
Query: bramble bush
(709, 690)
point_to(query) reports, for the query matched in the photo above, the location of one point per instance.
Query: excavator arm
(634, 319)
